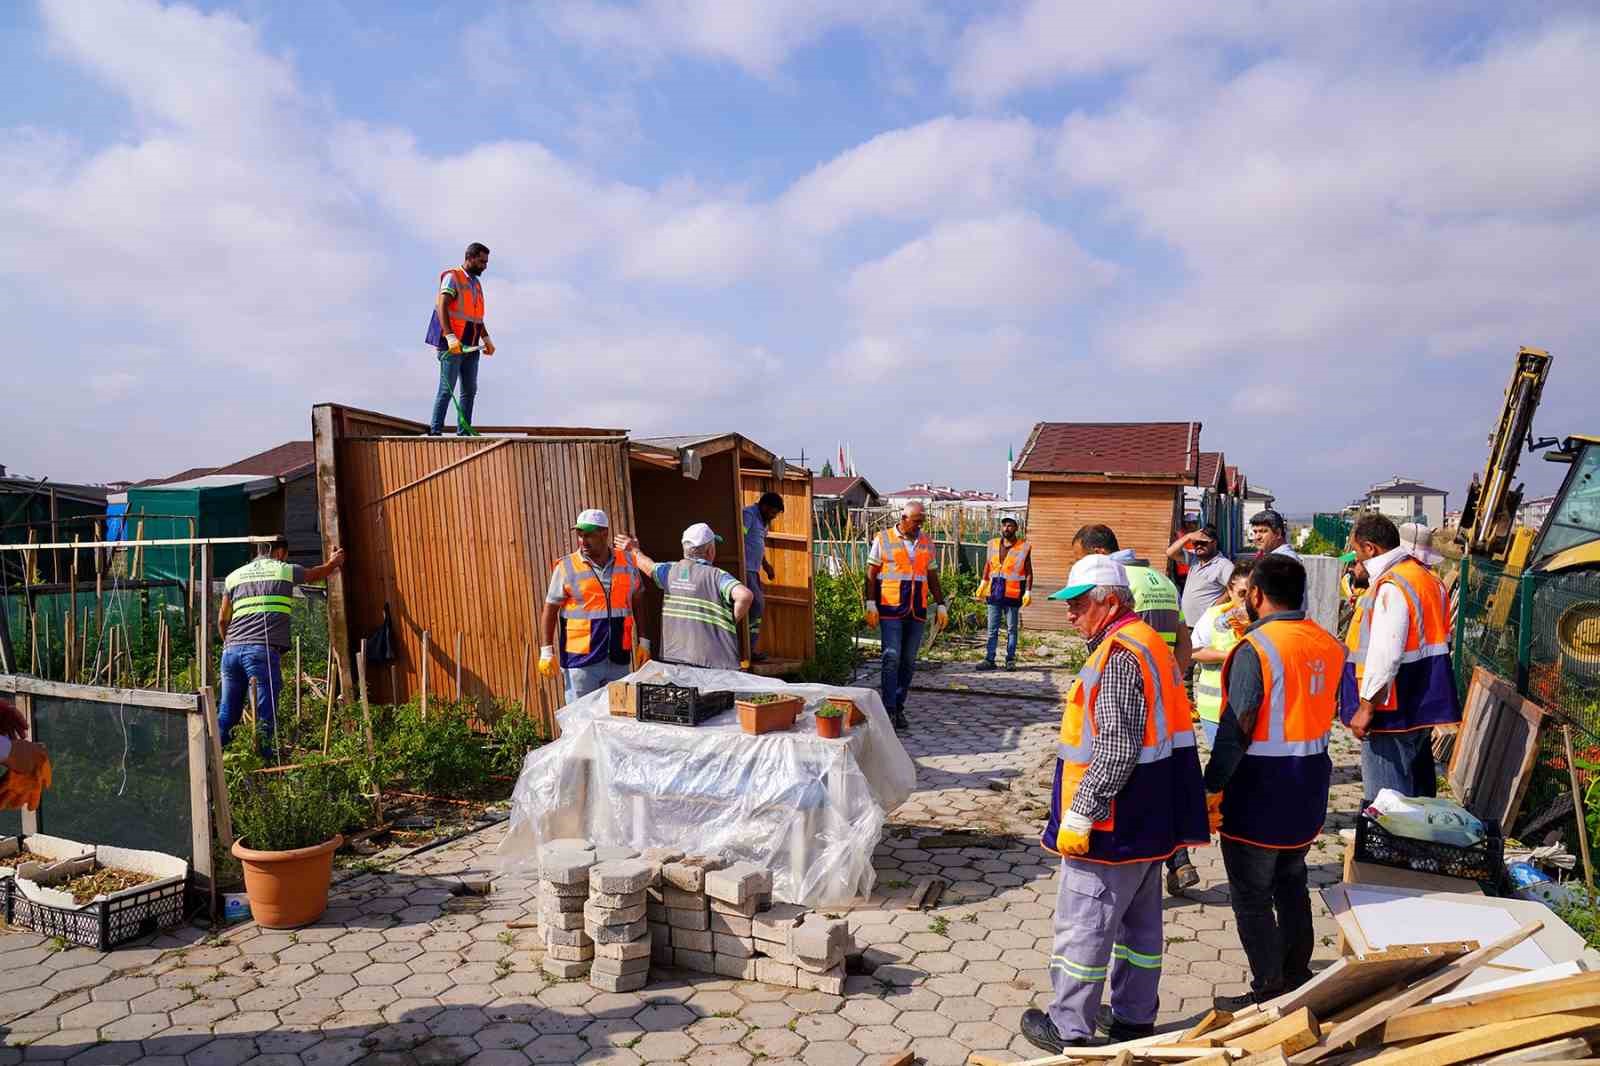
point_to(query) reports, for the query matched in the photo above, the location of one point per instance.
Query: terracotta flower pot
(287, 888)
(853, 715)
(830, 728)
(771, 717)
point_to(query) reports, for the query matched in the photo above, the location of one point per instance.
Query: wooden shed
(1127, 475)
(457, 536)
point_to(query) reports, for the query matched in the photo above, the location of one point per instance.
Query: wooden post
(219, 783)
(55, 538)
(297, 682)
(33, 640)
(136, 564)
(72, 608)
(1583, 827)
(458, 666)
(99, 599)
(202, 676)
(47, 640)
(188, 600)
(425, 675)
(366, 725)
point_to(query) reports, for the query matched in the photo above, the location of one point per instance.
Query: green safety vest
(1208, 679)
(1155, 600)
(265, 586)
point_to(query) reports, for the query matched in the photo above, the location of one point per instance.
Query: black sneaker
(986, 665)
(1182, 879)
(1117, 1030)
(1041, 1032)
(900, 722)
(1235, 1004)
(1011, 664)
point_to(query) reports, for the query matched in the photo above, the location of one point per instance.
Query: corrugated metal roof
(1134, 449)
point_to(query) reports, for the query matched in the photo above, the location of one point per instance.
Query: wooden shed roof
(1211, 470)
(1101, 451)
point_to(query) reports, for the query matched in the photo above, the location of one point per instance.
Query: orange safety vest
(903, 581)
(589, 620)
(1278, 797)
(1005, 572)
(1164, 800)
(467, 305)
(1423, 693)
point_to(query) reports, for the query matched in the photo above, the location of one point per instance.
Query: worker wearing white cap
(1127, 794)
(591, 598)
(703, 604)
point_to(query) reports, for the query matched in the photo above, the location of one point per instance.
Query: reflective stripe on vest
(264, 586)
(1155, 599)
(903, 580)
(1004, 572)
(1278, 795)
(589, 615)
(468, 303)
(1163, 796)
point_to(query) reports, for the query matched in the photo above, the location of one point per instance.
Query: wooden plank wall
(467, 552)
(665, 503)
(788, 629)
(1143, 516)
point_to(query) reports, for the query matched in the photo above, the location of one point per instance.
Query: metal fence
(1540, 631)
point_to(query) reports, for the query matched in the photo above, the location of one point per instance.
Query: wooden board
(1349, 981)
(1581, 992)
(1488, 1039)
(1495, 749)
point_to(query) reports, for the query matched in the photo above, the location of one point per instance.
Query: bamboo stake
(47, 655)
(327, 717)
(1583, 828)
(424, 675)
(72, 609)
(297, 683)
(366, 723)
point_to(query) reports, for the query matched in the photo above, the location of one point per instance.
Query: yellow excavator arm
(1489, 516)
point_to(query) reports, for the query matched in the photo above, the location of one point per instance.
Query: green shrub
(297, 808)
(838, 621)
(515, 733)
(439, 754)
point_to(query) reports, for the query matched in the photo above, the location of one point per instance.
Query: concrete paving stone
(1011, 993)
(498, 1057)
(445, 1051)
(308, 1010)
(831, 1053)
(344, 962)
(245, 1021)
(224, 1051)
(553, 1049)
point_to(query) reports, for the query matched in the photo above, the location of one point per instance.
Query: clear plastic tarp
(809, 809)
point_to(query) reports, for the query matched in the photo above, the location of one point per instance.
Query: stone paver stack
(563, 891)
(614, 918)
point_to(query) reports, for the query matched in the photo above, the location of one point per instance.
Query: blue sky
(1320, 228)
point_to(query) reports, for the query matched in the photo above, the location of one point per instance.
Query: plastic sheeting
(809, 809)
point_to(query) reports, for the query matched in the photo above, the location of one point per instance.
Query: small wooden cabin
(1127, 475)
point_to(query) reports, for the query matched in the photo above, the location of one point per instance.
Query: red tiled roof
(1211, 464)
(182, 475)
(832, 486)
(286, 461)
(1132, 449)
(1235, 481)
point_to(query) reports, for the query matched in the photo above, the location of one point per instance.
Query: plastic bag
(1427, 818)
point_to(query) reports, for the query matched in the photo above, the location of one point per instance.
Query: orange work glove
(1214, 810)
(871, 610)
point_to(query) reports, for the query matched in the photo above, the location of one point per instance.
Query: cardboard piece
(1387, 919)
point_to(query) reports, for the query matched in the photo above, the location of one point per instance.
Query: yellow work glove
(453, 343)
(871, 610)
(942, 619)
(488, 346)
(1027, 598)
(1073, 837)
(547, 661)
(1214, 810)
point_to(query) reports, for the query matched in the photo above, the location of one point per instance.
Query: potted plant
(768, 712)
(830, 722)
(854, 715)
(288, 827)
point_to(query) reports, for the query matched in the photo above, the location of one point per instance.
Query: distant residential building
(1404, 499)
(929, 495)
(1534, 512)
(833, 499)
(1257, 498)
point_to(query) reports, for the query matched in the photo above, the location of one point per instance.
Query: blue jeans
(582, 680)
(902, 640)
(1401, 761)
(242, 664)
(453, 368)
(1011, 616)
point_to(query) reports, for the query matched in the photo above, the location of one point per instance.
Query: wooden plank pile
(1375, 1010)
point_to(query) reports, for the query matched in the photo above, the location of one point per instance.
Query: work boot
(1235, 1004)
(987, 664)
(1117, 1030)
(1041, 1033)
(901, 725)
(1182, 879)
(1011, 664)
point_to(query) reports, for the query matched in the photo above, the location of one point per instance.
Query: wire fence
(1541, 631)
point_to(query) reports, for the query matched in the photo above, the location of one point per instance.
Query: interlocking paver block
(738, 883)
(682, 899)
(560, 920)
(621, 876)
(775, 922)
(564, 970)
(830, 981)
(773, 972)
(692, 939)
(740, 947)
(731, 924)
(593, 915)
(685, 919)
(628, 982)
(817, 938)
(617, 934)
(569, 954)
(740, 969)
(571, 938)
(616, 900)
(566, 867)
(619, 967)
(628, 949)
(700, 961)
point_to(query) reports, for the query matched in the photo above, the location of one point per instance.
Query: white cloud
(1008, 265)
(111, 385)
(942, 166)
(716, 242)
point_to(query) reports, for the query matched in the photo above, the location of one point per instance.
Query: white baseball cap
(699, 535)
(1417, 540)
(592, 520)
(1090, 571)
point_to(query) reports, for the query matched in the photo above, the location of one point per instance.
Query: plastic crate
(1483, 862)
(671, 704)
(105, 924)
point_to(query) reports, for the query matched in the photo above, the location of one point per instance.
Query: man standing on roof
(1398, 676)
(458, 334)
(1155, 601)
(592, 597)
(254, 624)
(1007, 587)
(901, 569)
(703, 604)
(1267, 781)
(756, 520)
(1127, 794)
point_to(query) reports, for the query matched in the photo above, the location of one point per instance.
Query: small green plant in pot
(288, 826)
(830, 722)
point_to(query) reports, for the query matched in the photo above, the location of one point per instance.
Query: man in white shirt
(1399, 663)
(1271, 533)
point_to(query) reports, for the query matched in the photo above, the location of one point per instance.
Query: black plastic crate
(680, 704)
(105, 924)
(1483, 862)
